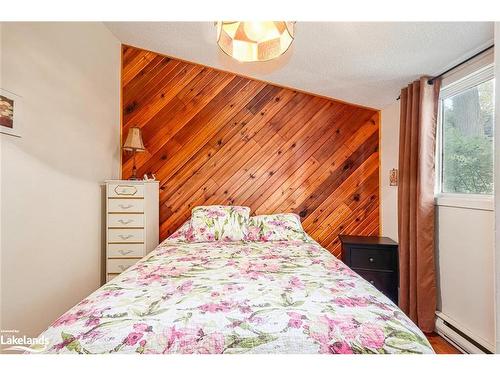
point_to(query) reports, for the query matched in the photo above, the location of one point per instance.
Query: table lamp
(134, 143)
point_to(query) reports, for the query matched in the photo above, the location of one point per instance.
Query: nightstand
(375, 259)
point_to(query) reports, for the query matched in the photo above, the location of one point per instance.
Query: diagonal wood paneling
(213, 137)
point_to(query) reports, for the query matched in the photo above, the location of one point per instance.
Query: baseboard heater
(460, 337)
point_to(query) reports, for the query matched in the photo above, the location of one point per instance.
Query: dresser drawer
(125, 190)
(125, 220)
(111, 276)
(125, 235)
(120, 265)
(386, 282)
(116, 250)
(376, 259)
(126, 205)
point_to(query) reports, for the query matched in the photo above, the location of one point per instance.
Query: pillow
(277, 227)
(183, 234)
(219, 223)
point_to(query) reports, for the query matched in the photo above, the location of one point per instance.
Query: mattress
(236, 297)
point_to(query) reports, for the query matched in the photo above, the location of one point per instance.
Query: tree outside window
(467, 140)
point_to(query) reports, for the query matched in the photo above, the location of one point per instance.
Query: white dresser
(132, 223)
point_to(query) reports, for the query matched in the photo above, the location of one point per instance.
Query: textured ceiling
(365, 63)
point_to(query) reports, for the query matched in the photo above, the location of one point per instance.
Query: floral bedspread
(239, 297)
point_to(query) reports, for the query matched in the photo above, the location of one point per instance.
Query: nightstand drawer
(384, 281)
(120, 265)
(375, 259)
(116, 250)
(125, 235)
(125, 220)
(125, 190)
(126, 205)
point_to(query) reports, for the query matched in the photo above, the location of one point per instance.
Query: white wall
(497, 186)
(51, 254)
(1, 299)
(389, 147)
(465, 262)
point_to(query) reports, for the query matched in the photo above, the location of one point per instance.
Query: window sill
(468, 201)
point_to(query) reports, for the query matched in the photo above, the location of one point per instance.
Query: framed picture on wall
(10, 113)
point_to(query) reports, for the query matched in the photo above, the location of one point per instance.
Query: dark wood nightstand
(375, 259)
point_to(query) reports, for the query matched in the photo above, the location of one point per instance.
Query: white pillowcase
(219, 223)
(277, 227)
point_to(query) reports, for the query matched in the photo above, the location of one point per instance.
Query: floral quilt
(236, 297)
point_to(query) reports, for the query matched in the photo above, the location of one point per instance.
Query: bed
(247, 296)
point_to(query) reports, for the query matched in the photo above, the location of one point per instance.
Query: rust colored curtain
(417, 139)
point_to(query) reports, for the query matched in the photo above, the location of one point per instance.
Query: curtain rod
(431, 80)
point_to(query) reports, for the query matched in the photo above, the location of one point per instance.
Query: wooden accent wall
(213, 137)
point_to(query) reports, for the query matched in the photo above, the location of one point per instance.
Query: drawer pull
(124, 252)
(125, 236)
(122, 267)
(372, 282)
(371, 260)
(125, 190)
(125, 222)
(126, 206)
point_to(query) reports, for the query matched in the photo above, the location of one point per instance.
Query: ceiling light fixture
(254, 41)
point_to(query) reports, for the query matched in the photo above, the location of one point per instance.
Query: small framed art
(10, 113)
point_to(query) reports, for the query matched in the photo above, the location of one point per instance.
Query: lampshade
(134, 140)
(254, 41)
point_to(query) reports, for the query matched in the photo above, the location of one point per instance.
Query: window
(465, 135)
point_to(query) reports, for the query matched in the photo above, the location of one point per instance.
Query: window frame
(468, 77)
